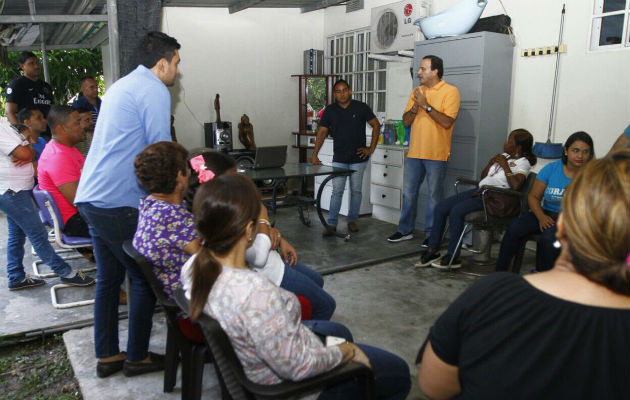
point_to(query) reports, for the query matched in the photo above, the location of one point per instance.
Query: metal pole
(555, 77)
(114, 48)
(42, 39)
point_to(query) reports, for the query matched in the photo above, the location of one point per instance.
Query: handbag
(501, 205)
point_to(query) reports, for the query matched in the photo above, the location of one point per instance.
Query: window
(610, 24)
(347, 56)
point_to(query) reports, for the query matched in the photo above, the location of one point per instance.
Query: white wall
(248, 58)
(593, 89)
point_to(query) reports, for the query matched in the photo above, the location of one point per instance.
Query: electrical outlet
(543, 51)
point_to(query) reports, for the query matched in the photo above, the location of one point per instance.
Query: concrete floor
(385, 301)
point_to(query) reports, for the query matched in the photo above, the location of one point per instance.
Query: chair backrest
(525, 189)
(225, 359)
(147, 270)
(48, 210)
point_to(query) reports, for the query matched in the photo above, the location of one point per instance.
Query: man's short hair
(58, 115)
(155, 46)
(25, 55)
(436, 63)
(20, 127)
(338, 81)
(82, 110)
(26, 113)
(85, 78)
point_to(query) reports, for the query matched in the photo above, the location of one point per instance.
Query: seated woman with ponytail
(262, 257)
(261, 319)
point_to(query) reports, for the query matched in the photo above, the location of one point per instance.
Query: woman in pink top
(261, 319)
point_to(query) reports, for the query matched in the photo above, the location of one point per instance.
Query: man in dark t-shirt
(28, 91)
(346, 119)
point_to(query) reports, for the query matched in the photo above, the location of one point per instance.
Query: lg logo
(407, 11)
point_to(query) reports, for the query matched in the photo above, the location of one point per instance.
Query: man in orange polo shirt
(431, 112)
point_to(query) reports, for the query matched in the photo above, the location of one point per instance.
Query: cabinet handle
(384, 175)
(383, 196)
(385, 156)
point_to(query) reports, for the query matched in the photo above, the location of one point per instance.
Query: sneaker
(79, 279)
(427, 259)
(28, 282)
(353, 227)
(329, 232)
(425, 243)
(443, 263)
(399, 237)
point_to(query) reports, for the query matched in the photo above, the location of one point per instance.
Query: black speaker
(218, 135)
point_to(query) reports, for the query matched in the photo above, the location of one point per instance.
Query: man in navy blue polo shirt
(345, 120)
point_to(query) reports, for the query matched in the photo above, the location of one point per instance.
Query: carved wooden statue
(217, 107)
(246, 133)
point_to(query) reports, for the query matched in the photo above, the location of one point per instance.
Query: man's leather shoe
(133, 368)
(106, 368)
(353, 227)
(329, 232)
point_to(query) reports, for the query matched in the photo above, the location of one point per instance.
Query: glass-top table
(281, 175)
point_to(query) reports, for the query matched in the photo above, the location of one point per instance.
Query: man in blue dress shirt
(135, 112)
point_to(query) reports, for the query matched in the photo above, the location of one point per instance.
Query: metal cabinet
(387, 169)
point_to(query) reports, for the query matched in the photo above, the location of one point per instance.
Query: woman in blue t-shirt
(549, 188)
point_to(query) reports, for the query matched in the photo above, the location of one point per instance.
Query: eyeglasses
(342, 90)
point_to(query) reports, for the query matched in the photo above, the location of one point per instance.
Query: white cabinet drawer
(326, 149)
(388, 156)
(385, 196)
(389, 175)
(325, 159)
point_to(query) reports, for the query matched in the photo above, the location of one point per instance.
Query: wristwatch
(428, 109)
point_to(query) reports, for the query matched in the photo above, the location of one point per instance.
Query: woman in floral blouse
(261, 319)
(166, 235)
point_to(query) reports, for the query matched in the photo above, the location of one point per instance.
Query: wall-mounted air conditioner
(392, 26)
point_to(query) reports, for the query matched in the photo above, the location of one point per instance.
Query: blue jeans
(455, 209)
(23, 221)
(109, 228)
(391, 373)
(522, 226)
(339, 184)
(415, 171)
(302, 280)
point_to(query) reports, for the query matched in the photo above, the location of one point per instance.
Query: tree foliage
(66, 68)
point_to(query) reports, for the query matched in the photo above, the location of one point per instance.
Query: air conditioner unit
(392, 26)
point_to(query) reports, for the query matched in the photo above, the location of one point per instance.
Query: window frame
(597, 15)
(359, 73)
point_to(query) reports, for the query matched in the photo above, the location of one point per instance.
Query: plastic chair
(236, 386)
(50, 215)
(178, 342)
(481, 219)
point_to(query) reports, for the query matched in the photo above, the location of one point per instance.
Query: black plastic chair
(518, 258)
(481, 220)
(236, 386)
(193, 355)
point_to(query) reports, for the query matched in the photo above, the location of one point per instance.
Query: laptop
(270, 157)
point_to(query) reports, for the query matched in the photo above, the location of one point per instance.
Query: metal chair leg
(459, 243)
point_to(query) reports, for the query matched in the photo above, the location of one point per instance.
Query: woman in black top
(559, 334)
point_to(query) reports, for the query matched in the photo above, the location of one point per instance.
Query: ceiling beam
(321, 4)
(45, 19)
(49, 47)
(242, 5)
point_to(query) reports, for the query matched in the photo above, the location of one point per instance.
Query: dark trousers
(527, 224)
(109, 228)
(454, 209)
(76, 226)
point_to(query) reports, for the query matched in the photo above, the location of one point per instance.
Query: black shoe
(427, 258)
(79, 279)
(330, 231)
(399, 237)
(425, 243)
(131, 368)
(28, 282)
(443, 263)
(106, 368)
